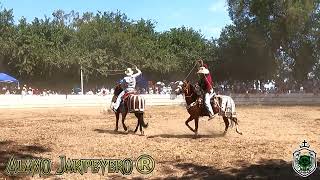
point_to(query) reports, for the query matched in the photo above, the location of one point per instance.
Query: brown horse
(196, 107)
(131, 103)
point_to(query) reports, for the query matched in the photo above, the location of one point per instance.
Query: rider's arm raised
(138, 73)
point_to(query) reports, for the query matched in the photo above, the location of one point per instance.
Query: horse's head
(117, 90)
(177, 88)
(187, 89)
(184, 88)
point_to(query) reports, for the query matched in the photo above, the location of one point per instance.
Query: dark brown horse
(131, 103)
(196, 107)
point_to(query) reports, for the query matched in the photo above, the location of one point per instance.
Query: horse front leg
(117, 120)
(124, 114)
(196, 124)
(187, 123)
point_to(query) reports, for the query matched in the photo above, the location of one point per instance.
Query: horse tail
(145, 125)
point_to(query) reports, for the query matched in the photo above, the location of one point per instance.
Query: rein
(111, 72)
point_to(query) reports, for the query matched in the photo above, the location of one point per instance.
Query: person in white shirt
(130, 83)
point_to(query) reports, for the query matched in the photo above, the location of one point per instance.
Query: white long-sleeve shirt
(131, 81)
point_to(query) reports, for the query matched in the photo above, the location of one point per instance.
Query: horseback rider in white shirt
(130, 83)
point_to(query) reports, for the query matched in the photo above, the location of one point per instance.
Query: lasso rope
(114, 72)
(195, 64)
(201, 61)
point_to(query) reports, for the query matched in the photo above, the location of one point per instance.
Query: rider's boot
(211, 115)
(210, 112)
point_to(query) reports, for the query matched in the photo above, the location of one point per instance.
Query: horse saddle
(214, 101)
(127, 94)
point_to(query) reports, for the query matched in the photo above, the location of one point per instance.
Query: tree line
(274, 39)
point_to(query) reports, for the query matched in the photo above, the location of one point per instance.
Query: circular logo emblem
(145, 164)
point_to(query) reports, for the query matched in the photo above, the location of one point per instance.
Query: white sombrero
(128, 72)
(203, 70)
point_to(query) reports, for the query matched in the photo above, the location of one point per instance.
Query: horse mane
(117, 89)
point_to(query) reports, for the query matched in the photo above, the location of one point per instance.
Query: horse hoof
(142, 133)
(239, 133)
(237, 130)
(116, 129)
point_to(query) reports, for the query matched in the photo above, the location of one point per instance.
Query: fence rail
(18, 101)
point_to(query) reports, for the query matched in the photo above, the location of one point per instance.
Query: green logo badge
(304, 160)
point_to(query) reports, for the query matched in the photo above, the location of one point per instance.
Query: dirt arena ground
(264, 151)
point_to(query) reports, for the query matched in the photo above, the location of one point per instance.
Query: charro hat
(203, 70)
(128, 72)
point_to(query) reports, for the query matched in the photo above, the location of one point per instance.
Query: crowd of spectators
(255, 87)
(268, 87)
(8, 89)
(157, 88)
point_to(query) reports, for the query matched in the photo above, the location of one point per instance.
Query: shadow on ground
(10, 148)
(188, 136)
(265, 169)
(107, 131)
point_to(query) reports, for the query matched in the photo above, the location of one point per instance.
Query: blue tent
(6, 78)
